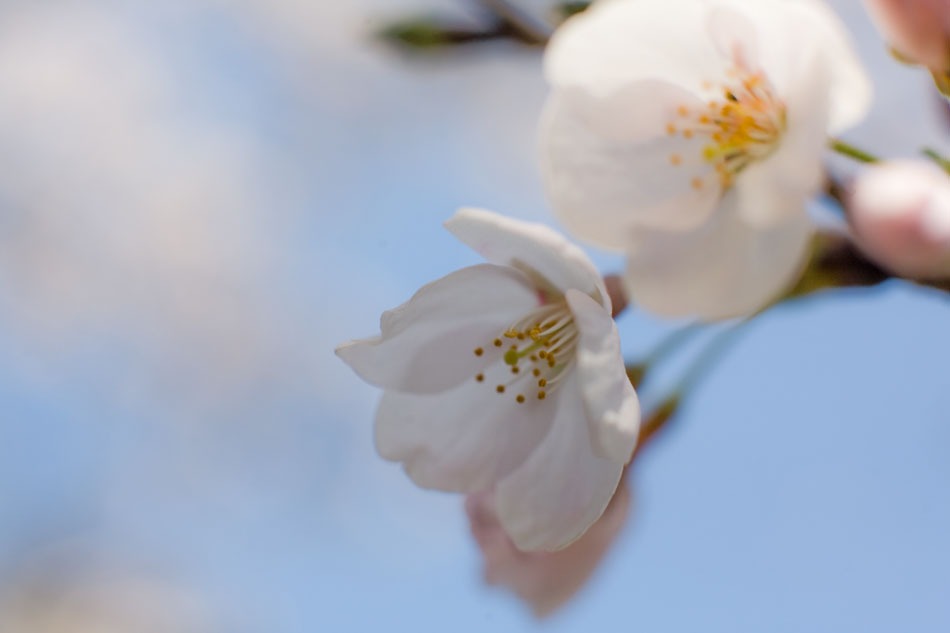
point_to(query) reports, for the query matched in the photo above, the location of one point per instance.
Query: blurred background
(200, 198)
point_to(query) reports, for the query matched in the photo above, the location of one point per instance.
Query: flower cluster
(690, 136)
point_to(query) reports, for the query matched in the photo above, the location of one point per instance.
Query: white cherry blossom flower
(689, 133)
(507, 375)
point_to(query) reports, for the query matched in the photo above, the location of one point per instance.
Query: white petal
(427, 344)
(464, 439)
(850, 91)
(636, 113)
(724, 269)
(613, 410)
(735, 36)
(600, 186)
(540, 249)
(563, 487)
(614, 43)
(790, 30)
(795, 169)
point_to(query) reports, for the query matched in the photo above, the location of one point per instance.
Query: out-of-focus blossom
(900, 215)
(689, 133)
(544, 580)
(918, 30)
(71, 602)
(509, 376)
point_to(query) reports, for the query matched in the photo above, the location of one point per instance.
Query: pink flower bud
(900, 215)
(544, 580)
(919, 30)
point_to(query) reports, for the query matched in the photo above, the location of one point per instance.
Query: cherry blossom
(507, 376)
(689, 134)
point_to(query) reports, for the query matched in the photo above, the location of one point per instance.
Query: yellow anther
(542, 395)
(500, 389)
(542, 383)
(479, 351)
(480, 377)
(697, 183)
(536, 371)
(498, 342)
(676, 159)
(519, 398)
(515, 369)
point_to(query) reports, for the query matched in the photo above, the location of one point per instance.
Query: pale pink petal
(532, 248)
(900, 215)
(464, 439)
(613, 410)
(724, 269)
(563, 487)
(544, 580)
(427, 344)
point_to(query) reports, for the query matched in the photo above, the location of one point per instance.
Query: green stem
(662, 414)
(710, 355)
(851, 151)
(933, 155)
(670, 343)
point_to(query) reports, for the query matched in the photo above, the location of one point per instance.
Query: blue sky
(201, 199)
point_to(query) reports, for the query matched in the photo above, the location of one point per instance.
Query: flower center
(741, 126)
(538, 352)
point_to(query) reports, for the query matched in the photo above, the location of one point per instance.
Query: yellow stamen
(743, 125)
